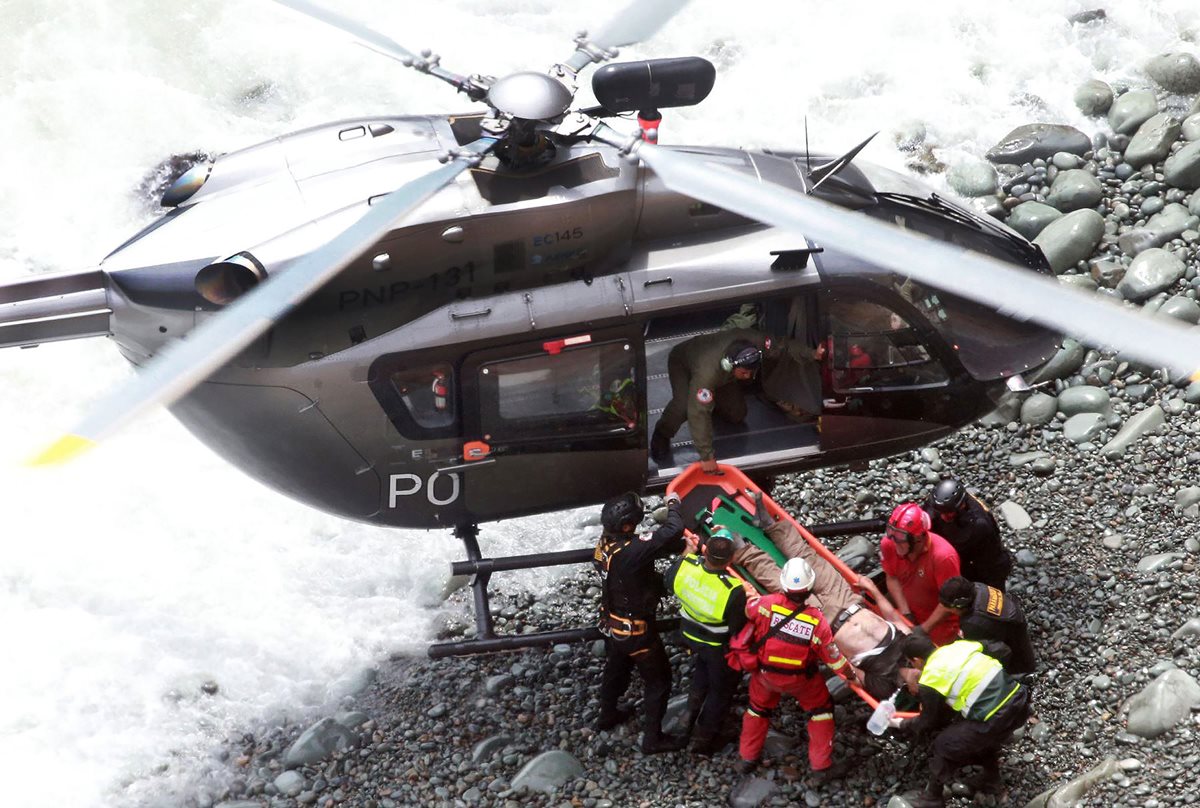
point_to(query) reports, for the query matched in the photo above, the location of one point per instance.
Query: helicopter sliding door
(558, 422)
(886, 381)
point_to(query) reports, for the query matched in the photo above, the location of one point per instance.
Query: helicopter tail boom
(54, 307)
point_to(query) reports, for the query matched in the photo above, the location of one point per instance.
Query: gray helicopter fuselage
(580, 242)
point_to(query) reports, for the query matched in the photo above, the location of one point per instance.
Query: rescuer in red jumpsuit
(787, 661)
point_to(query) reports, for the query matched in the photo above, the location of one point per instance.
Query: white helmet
(797, 576)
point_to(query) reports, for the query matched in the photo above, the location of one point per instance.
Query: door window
(875, 348)
(575, 391)
(420, 400)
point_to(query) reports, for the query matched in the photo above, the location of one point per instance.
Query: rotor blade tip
(62, 451)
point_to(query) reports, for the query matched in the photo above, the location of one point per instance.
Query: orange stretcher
(697, 489)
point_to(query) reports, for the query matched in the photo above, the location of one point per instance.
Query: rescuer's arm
(735, 610)
(700, 409)
(886, 610)
(827, 649)
(896, 593)
(934, 715)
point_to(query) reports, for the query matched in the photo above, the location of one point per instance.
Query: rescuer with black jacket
(631, 591)
(969, 526)
(712, 609)
(988, 615)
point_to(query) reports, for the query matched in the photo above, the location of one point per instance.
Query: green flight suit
(699, 385)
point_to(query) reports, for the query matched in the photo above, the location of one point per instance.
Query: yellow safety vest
(703, 596)
(961, 672)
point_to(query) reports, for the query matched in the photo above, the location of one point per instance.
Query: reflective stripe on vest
(703, 596)
(959, 671)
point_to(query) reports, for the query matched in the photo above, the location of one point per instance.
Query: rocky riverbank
(1096, 476)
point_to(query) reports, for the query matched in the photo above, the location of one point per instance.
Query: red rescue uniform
(921, 578)
(788, 664)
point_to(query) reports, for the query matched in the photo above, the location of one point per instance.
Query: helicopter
(436, 321)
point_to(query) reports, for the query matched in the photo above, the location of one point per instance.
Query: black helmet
(949, 495)
(625, 510)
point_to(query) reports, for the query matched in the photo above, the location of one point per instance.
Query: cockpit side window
(420, 400)
(587, 390)
(875, 348)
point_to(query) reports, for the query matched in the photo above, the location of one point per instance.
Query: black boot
(612, 718)
(654, 744)
(708, 743)
(988, 780)
(931, 797)
(660, 447)
(823, 776)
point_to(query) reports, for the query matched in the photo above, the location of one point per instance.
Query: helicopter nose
(223, 282)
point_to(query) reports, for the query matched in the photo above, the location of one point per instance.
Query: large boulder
(1162, 704)
(1075, 189)
(1145, 421)
(1131, 111)
(548, 771)
(972, 179)
(1182, 168)
(1030, 218)
(1163, 226)
(1152, 141)
(1094, 97)
(1150, 273)
(1175, 72)
(318, 742)
(1071, 239)
(1034, 140)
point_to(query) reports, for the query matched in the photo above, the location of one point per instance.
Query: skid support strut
(484, 628)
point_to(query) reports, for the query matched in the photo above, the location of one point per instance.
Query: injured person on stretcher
(870, 640)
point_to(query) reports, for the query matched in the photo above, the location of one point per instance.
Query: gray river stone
(1066, 361)
(1190, 129)
(972, 179)
(1093, 97)
(752, 792)
(1031, 218)
(1192, 394)
(1038, 409)
(1071, 239)
(548, 771)
(1153, 563)
(1084, 427)
(1162, 704)
(290, 783)
(1152, 141)
(1182, 168)
(1189, 629)
(1187, 496)
(1033, 140)
(857, 547)
(1181, 308)
(1131, 110)
(1084, 398)
(1014, 515)
(1175, 72)
(318, 742)
(1145, 421)
(1018, 459)
(1150, 273)
(1074, 190)
(487, 748)
(1193, 205)
(1070, 794)
(1107, 273)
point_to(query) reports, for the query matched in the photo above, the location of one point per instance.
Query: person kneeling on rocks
(792, 637)
(960, 678)
(713, 609)
(631, 589)
(989, 615)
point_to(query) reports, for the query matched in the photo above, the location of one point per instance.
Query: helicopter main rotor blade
(373, 40)
(1016, 293)
(638, 22)
(186, 363)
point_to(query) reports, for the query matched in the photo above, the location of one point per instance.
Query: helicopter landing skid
(480, 569)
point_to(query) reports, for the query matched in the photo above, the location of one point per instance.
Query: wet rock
(1152, 141)
(1093, 97)
(1151, 272)
(1030, 218)
(1163, 226)
(1014, 515)
(1065, 362)
(290, 783)
(857, 547)
(1187, 496)
(1074, 190)
(1038, 409)
(548, 771)
(1084, 398)
(1131, 110)
(1069, 795)
(1043, 466)
(1175, 72)
(1071, 239)
(1182, 169)
(488, 747)
(1040, 140)
(1190, 129)
(752, 792)
(1145, 421)
(1181, 308)
(1189, 629)
(972, 179)
(1083, 428)
(1162, 704)
(1107, 273)
(318, 742)
(1153, 563)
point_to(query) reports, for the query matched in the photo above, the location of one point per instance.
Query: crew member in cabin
(712, 609)
(631, 590)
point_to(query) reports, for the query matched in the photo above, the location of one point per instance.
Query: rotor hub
(529, 95)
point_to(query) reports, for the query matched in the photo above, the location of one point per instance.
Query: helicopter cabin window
(420, 401)
(875, 348)
(586, 390)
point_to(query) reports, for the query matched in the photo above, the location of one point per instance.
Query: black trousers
(966, 743)
(646, 653)
(713, 686)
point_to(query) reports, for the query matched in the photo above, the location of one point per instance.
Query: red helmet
(907, 522)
